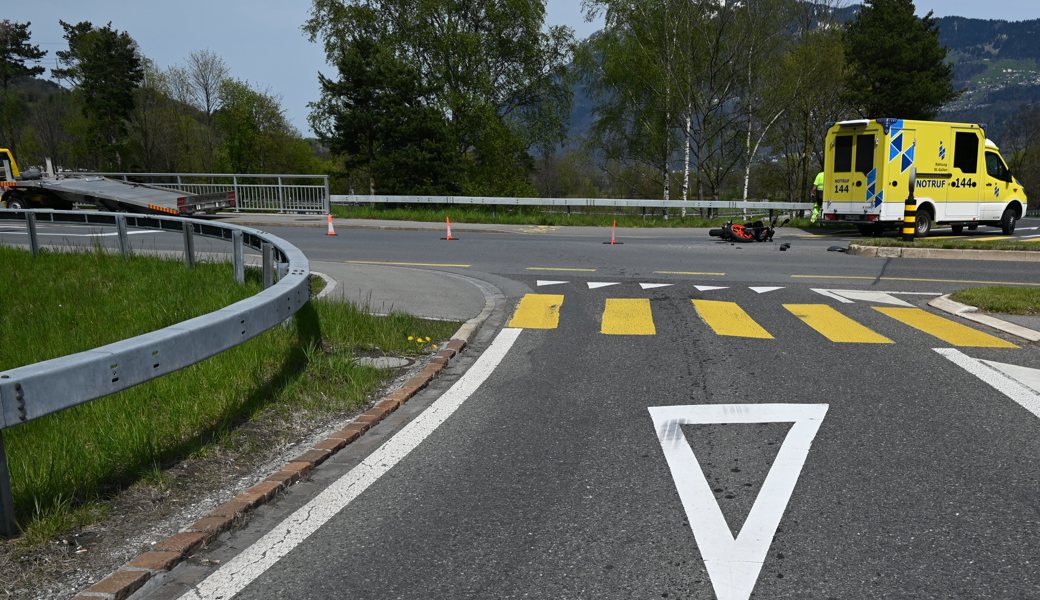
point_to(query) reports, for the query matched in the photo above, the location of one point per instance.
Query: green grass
(1004, 300)
(537, 216)
(975, 243)
(64, 464)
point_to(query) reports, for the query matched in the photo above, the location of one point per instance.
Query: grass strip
(58, 303)
(539, 216)
(1004, 300)
(973, 243)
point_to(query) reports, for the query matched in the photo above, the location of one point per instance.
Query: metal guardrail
(33, 391)
(572, 202)
(282, 193)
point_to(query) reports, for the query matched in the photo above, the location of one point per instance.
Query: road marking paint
(688, 273)
(870, 296)
(735, 563)
(835, 326)
(252, 562)
(729, 320)
(405, 264)
(545, 283)
(915, 279)
(595, 285)
(709, 288)
(999, 238)
(765, 290)
(1032, 239)
(946, 330)
(628, 316)
(832, 295)
(563, 269)
(654, 286)
(538, 311)
(1021, 384)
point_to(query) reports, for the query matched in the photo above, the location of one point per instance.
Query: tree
(376, 117)
(206, 72)
(489, 68)
(16, 54)
(255, 135)
(106, 69)
(897, 67)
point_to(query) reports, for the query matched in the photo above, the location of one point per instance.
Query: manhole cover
(383, 362)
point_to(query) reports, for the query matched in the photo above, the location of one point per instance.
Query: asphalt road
(846, 453)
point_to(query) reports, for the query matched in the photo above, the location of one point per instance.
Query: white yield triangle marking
(709, 288)
(765, 290)
(1021, 384)
(654, 286)
(545, 283)
(593, 285)
(734, 564)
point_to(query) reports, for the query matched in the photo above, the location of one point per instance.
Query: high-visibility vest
(819, 181)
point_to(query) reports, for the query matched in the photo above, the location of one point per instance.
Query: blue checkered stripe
(874, 197)
(942, 151)
(898, 148)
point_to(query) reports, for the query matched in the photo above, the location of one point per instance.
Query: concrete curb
(168, 553)
(944, 303)
(898, 252)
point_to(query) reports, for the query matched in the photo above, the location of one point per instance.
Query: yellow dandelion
(411, 338)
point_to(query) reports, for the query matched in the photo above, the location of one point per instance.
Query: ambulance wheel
(924, 223)
(16, 203)
(973, 227)
(1007, 221)
(957, 229)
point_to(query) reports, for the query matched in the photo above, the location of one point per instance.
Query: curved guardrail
(36, 390)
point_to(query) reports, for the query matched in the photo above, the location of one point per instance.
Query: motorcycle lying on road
(755, 231)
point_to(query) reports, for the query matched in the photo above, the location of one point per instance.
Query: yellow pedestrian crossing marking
(628, 316)
(729, 320)
(835, 326)
(538, 311)
(946, 330)
(634, 317)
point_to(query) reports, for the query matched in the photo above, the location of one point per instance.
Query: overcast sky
(262, 43)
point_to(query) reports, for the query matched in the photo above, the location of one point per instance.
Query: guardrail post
(189, 244)
(30, 224)
(326, 204)
(8, 524)
(238, 256)
(238, 196)
(124, 238)
(281, 196)
(268, 270)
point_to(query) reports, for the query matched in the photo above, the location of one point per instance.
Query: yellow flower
(410, 338)
(435, 346)
(427, 339)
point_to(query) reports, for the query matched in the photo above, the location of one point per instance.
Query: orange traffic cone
(613, 236)
(331, 230)
(447, 221)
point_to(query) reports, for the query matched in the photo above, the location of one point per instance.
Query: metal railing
(282, 193)
(36, 390)
(736, 205)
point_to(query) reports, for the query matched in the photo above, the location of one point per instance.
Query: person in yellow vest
(817, 198)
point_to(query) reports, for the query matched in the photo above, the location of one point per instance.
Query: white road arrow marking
(871, 296)
(709, 288)
(734, 564)
(1021, 384)
(595, 285)
(765, 290)
(545, 283)
(654, 286)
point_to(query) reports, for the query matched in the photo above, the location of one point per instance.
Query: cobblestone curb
(166, 554)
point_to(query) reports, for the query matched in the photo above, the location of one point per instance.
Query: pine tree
(16, 54)
(897, 67)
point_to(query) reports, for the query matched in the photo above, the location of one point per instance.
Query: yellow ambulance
(962, 180)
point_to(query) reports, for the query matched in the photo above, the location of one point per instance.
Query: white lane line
(1013, 382)
(252, 562)
(734, 564)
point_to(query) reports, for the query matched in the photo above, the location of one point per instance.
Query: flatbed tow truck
(34, 189)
